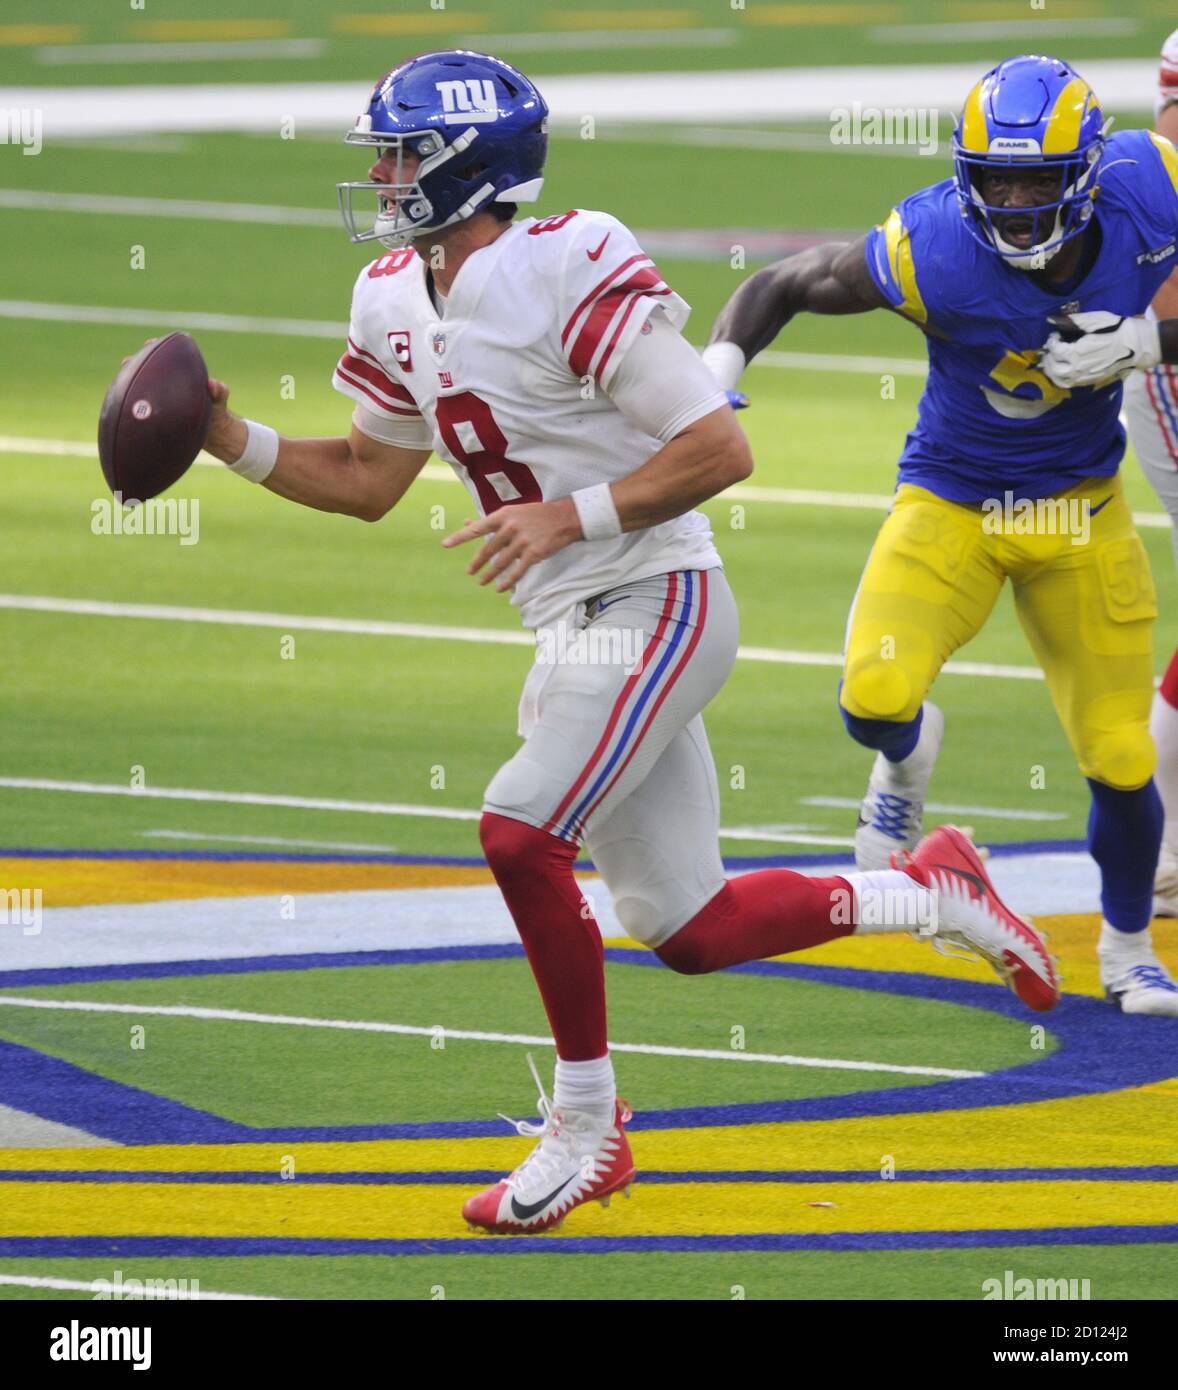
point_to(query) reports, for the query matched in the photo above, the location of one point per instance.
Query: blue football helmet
(1031, 113)
(479, 128)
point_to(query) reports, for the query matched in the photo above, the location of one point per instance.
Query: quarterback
(1026, 272)
(542, 359)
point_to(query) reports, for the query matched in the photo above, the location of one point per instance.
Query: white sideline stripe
(34, 1281)
(472, 1035)
(735, 96)
(788, 496)
(55, 54)
(969, 31)
(276, 841)
(943, 809)
(426, 631)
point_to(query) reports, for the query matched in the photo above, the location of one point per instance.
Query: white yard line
(942, 808)
(55, 55)
(409, 1030)
(292, 622)
(32, 1281)
(785, 496)
(271, 841)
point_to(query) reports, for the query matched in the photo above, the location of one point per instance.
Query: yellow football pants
(1086, 604)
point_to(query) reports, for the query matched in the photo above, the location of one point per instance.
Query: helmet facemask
(402, 208)
(1052, 224)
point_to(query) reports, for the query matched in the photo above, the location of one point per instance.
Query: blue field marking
(82, 1247)
(1100, 1050)
(1158, 1172)
(459, 861)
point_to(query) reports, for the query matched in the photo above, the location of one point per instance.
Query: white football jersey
(513, 383)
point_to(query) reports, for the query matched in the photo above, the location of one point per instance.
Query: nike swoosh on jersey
(596, 255)
(1105, 503)
(601, 607)
(522, 1211)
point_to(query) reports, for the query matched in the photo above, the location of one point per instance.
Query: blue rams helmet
(1038, 114)
(479, 129)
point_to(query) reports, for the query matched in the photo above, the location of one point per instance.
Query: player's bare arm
(828, 279)
(356, 476)
(708, 456)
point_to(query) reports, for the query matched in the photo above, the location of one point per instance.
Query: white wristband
(598, 515)
(259, 455)
(725, 361)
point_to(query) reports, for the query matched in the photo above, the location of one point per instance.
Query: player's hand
(1093, 348)
(227, 434)
(517, 537)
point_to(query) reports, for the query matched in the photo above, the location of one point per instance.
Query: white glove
(1098, 347)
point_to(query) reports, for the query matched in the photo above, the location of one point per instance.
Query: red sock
(1169, 685)
(534, 871)
(768, 913)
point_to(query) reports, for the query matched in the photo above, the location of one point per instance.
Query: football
(154, 418)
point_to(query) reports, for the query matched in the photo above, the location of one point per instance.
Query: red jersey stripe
(598, 288)
(600, 317)
(372, 396)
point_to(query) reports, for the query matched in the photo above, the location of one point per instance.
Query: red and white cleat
(970, 914)
(577, 1160)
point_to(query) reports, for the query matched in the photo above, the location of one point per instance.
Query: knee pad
(510, 845)
(1122, 758)
(684, 955)
(879, 689)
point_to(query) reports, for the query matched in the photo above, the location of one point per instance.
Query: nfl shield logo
(438, 342)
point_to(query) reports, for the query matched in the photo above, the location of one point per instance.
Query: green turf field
(169, 697)
(675, 34)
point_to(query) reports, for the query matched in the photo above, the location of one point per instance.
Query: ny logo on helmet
(469, 101)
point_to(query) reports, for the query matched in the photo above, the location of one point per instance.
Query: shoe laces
(560, 1139)
(893, 814)
(1152, 977)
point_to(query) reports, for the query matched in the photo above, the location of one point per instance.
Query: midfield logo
(469, 102)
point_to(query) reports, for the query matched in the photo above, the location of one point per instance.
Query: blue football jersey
(988, 419)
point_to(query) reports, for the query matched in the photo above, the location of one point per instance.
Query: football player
(542, 358)
(1151, 413)
(1024, 271)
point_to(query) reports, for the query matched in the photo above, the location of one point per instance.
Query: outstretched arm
(357, 475)
(828, 279)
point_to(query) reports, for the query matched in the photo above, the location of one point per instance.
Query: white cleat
(1165, 884)
(891, 817)
(1145, 987)
(577, 1159)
